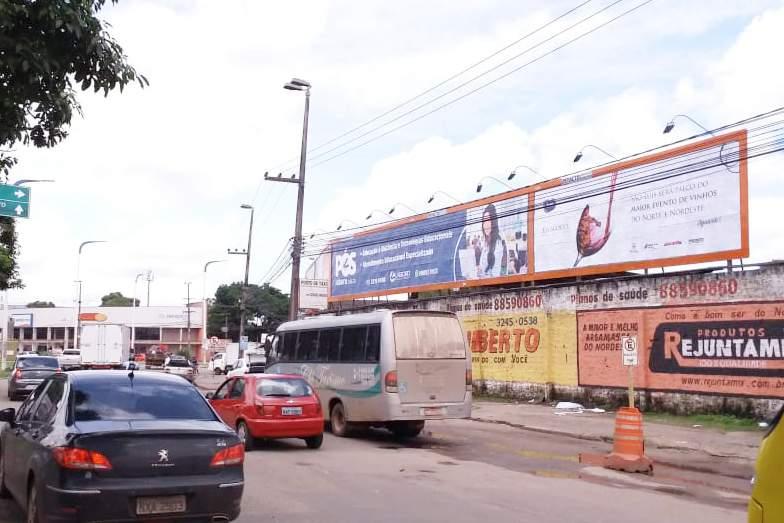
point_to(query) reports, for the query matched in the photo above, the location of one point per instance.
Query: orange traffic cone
(628, 444)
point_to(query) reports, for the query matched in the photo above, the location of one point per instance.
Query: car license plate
(433, 411)
(34, 385)
(291, 411)
(160, 505)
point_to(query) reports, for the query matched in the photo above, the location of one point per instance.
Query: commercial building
(174, 328)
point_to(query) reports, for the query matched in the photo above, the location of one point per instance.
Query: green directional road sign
(14, 201)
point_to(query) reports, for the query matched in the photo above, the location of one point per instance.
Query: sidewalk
(600, 426)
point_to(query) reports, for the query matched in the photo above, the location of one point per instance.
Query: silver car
(28, 373)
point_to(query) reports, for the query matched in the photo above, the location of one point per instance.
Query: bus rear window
(428, 336)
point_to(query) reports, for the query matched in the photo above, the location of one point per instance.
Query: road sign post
(629, 354)
(14, 201)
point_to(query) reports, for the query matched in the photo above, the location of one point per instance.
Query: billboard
(724, 349)
(684, 205)
(313, 294)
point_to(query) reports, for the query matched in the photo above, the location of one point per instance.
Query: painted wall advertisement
(683, 205)
(725, 349)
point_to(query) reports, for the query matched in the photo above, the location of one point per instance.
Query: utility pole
(244, 291)
(78, 325)
(204, 306)
(297, 84)
(188, 309)
(149, 278)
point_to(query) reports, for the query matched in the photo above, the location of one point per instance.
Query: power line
(475, 90)
(440, 84)
(585, 183)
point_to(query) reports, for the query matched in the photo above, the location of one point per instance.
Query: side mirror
(131, 366)
(209, 395)
(8, 416)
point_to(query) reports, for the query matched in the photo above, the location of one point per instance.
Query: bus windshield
(428, 336)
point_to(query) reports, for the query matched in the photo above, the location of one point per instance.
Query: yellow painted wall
(534, 347)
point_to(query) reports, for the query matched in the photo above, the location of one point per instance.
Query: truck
(104, 346)
(223, 362)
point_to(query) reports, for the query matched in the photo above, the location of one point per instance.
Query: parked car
(29, 371)
(250, 364)
(270, 406)
(116, 446)
(179, 366)
(70, 359)
(767, 503)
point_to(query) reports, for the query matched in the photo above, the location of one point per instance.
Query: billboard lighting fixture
(579, 155)
(671, 124)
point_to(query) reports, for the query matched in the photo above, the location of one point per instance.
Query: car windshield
(38, 363)
(283, 387)
(71, 352)
(124, 401)
(179, 363)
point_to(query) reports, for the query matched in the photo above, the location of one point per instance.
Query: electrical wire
(471, 80)
(753, 151)
(739, 123)
(436, 86)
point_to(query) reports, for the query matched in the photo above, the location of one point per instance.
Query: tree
(40, 304)
(47, 48)
(266, 308)
(116, 299)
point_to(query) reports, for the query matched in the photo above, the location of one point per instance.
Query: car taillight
(80, 459)
(234, 455)
(469, 379)
(390, 381)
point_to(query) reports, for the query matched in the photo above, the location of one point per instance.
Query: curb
(608, 439)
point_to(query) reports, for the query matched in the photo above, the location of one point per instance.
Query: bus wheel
(337, 419)
(406, 429)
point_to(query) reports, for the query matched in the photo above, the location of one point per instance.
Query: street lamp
(513, 172)
(22, 182)
(133, 313)
(374, 211)
(247, 270)
(79, 280)
(204, 307)
(433, 197)
(399, 204)
(479, 185)
(350, 222)
(671, 124)
(579, 155)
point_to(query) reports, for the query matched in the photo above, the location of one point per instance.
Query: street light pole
(297, 84)
(188, 309)
(247, 272)
(79, 280)
(204, 308)
(133, 313)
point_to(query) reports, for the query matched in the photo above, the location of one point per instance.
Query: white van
(395, 369)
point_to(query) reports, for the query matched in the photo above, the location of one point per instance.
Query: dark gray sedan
(120, 446)
(28, 373)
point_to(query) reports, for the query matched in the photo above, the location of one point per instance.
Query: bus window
(428, 336)
(373, 344)
(353, 346)
(288, 347)
(329, 345)
(307, 346)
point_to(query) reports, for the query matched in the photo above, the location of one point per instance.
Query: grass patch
(725, 422)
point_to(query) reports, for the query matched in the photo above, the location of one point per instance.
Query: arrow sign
(14, 201)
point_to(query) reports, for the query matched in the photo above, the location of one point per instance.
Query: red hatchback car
(270, 406)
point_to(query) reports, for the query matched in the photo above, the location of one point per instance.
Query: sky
(160, 173)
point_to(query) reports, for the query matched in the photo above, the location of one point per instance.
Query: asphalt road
(467, 471)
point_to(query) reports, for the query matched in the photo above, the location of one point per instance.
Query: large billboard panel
(685, 205)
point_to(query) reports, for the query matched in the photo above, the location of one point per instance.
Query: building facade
(174, 328)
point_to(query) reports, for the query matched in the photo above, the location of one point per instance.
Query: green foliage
(116, 299)
(40, 304)
(266, 308)
(47, 48)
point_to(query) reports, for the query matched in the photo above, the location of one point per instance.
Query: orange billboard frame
(740, 136)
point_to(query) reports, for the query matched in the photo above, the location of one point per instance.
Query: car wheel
(407, 429)
(32, 505)
(217, 372)
(337, 420)
(314, 442)
(245, 436)
(3, 490)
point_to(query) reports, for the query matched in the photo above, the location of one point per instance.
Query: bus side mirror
(8, 416)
